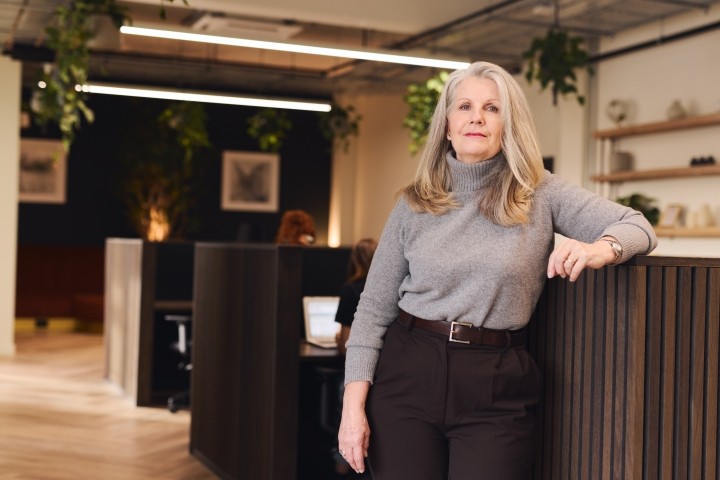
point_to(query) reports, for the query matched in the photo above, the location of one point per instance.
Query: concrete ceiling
(493, 30)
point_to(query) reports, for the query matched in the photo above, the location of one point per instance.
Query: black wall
(94, 209)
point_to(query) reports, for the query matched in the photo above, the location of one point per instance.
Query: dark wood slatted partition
(245, 360)
(629, 356)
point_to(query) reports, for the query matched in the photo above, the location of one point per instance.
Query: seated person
(360, 258)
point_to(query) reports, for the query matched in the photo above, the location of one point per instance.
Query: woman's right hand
(354, 434)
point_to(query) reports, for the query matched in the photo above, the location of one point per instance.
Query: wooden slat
(597, 405)
(711, 378)
(654, 334)
(682, 384)
(669, 356)
(635, 380)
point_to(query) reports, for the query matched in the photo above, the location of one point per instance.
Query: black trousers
(441, 410)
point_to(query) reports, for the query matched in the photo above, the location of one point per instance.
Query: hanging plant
(160, 191)
(340, 124)
(552, 61)
(269, 127)
(61, 101)
(422, 98)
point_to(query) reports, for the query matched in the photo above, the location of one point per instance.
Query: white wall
(10, 72)
(687, 70)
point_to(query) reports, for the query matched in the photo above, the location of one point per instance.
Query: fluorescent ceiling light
(377, 56)
(170, 94)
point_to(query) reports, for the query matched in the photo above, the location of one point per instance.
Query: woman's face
(475, 125)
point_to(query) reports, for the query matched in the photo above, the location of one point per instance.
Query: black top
(349, 298)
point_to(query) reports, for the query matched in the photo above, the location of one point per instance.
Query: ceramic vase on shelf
(676, 111)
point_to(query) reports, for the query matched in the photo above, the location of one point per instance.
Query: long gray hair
(507, 200)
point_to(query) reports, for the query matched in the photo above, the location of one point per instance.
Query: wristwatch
(616, 247)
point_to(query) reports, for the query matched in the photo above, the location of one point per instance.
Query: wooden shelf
(712, 232)
(632, 175)
(646, 128)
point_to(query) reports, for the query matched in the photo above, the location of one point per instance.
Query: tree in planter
(160, 191)
(422, 98)
(61, 101)
(553, 59)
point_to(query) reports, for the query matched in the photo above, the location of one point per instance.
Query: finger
(577, 269)
(358, 460)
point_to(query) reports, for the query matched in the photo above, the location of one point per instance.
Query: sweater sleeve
(583, 215)
(378, 306)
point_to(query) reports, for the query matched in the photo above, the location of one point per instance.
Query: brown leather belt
(461, 332)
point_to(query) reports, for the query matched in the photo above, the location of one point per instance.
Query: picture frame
(672, 216)
(43, 171)
(250, 181)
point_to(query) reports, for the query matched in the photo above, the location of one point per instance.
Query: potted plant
(552, 61)
(340, 124)
(269, 127)
(422, 98)
(60, 100)
(160, 189)
(642, 204)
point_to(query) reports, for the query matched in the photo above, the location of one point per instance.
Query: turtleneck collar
(468, 177)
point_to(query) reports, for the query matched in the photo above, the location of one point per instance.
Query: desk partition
(629, 356)
(247, 326)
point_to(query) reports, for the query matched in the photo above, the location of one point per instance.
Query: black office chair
(183, 347)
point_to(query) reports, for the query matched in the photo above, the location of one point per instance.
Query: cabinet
(606, 145)
(144, 281)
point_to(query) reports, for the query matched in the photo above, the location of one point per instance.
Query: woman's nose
(477, 117)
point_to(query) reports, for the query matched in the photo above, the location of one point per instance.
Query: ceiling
(492, 30)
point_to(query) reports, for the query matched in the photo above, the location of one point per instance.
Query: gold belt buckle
(452, 332)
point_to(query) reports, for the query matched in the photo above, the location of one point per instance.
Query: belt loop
(508, 341)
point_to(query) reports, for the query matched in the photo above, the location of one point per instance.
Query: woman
(361, 256)
(463, 258)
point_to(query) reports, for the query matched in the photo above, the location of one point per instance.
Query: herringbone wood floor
(60, 420)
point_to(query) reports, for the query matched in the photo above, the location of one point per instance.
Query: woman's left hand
(571, 257)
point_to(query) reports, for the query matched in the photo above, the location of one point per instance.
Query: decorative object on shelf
(160, 191)
(553, 59)
(250, 181)
(703, 217)
(269, 127)
(672, 216)
(339, 124)
(676, 111)
(617, 111)
(643, 204)
(621, 161)
(422, 98)
(700, 161)
(57, 98)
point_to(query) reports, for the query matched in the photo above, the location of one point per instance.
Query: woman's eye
(465, 106)
(492, 108)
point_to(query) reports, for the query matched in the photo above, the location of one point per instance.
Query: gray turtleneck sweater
(460, 266)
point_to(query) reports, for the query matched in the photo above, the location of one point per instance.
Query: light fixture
(171, 94)
(377, 55)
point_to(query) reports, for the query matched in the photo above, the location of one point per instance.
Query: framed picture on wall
(672, 216)
(43, 171)
(250, 181)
